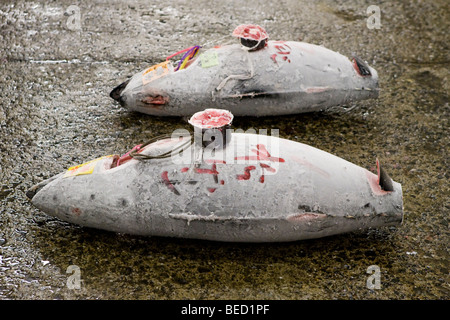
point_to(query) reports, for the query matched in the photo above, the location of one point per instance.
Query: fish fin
(361, 66)
(384, 180)
(117, 91)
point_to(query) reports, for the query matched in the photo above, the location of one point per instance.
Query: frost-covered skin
(285, 77)
(258, 189)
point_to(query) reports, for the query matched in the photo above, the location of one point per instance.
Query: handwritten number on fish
(261, 155)
(282, 50)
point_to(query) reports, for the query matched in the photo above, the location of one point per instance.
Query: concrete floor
(55, 112)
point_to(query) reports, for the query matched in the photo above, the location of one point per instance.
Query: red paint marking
(280, 48)
(165, 177)
(246, 175)
(213, 170)
(283, 44)
(274, 58)
(212, 190)
(185, 169)
(261, 154)
(265, 167)
(222, 182)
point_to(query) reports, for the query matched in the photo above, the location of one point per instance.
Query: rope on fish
(190, 53)
(139, 156)
(238, 76)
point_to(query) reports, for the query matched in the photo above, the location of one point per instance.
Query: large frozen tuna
(256, 188)
(283, 77)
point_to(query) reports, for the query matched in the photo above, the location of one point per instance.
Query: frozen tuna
(256, 77)
(251, 188)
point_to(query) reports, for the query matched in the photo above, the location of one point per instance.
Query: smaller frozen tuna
(243, 187)
(256, 77)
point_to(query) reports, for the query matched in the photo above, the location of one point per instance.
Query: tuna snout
(37, 187)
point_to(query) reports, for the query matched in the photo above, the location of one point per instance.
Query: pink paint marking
(211, 118)
(157, 101)
(261, 154)
(126, 157)
(165, 177)
(250, 31)
(374, 182)
(267, 167)
(311, 166)
(215, 161)
(305, 47)
(378, 171)
(306, 217)
(185, 169)
(274, 58)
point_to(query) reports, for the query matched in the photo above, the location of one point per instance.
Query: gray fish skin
(297, 193)
(286, 77)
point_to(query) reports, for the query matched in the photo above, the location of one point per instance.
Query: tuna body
(257, 189)
(286, 77)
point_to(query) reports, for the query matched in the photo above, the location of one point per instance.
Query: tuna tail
(116, 93)
(384, 180)
(361, 66)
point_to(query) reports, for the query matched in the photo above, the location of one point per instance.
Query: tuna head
(84, 196)
(138, 94)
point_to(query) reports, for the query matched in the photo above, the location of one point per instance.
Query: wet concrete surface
(55, 112)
